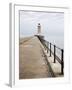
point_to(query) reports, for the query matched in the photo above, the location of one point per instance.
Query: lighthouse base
(40, 36)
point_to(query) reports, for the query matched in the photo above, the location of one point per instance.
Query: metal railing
(48, 46)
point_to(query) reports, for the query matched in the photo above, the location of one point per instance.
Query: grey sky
(52, 24)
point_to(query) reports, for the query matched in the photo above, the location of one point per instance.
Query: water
(58, 41)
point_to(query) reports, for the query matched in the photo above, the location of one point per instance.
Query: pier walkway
(34, 62)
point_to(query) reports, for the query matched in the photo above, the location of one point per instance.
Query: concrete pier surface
(32, 61)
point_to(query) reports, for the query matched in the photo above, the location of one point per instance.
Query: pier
(36, 60)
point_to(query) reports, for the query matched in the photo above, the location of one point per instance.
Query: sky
(52, 25)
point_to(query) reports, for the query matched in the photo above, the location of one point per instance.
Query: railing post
(44, 44)
(62, 64)
(50, 49)
(54, 53)
(47, 46)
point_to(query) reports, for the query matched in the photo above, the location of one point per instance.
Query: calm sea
(58, 41)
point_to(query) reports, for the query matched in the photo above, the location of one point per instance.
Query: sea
(58, 41)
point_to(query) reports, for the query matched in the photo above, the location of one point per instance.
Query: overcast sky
(52, 24)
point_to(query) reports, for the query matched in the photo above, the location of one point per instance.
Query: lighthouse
(39, 29)
(39, 33)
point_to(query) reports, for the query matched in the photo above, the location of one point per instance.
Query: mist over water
(58, 41)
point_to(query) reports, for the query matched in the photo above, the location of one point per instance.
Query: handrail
(47, 45)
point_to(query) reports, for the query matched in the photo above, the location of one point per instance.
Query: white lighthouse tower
(39, 29)
(39, 33)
